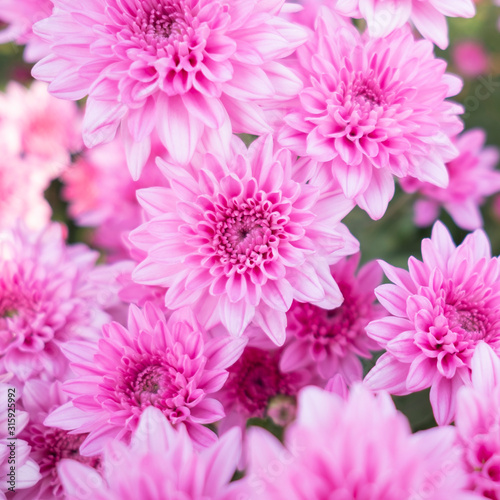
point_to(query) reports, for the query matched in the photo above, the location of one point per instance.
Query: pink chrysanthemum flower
(160, 463)
(361, 447)
(239, 242)
(478, 421)
(48, 445)
(428, 16)
(330, 341)
(14, 451)
(181, 67)
(19, 16)
(155, 362)
(440, 310)
(372, 109)
(47, 297)
(472, 179)
(46, 129)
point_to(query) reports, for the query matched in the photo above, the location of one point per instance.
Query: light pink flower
(472, 179)
(160, 463)
(48, 445)
(440, 310)
(155, 362)
(361, 447)
(19, 16)
(330, 341)
(239, 241)
(470, 58)
(478, 421)
(428, 16)
(182, 67)
(47, 297)
(47, 130)
(372, 109)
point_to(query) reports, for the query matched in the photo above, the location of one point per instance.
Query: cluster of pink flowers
(213, 336)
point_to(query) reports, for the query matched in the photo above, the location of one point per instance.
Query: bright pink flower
(20, 15)
(101, 194)
(440, 310)
(239, 241)
(47, 297)
(472, 178)
(478, 421)
(181, 67)
(428, 16)
(470, 58)
(372, 109)
(12, 448)
(160, 463)
(47, 129)
(330, 341)
(361, 447)
(155, 362)
(48, 445)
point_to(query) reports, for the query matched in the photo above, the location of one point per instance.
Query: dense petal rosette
(440, 310)
(239, 240)
(372, 109)
(160, 363)
(181, 67)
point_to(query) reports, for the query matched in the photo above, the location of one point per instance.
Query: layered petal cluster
(355, 448)
(478, 421)
(19, 16)
(330, 341)
(472, 179)
(14, 452)
(238, 241)
(440, 310)
(372, 109)
(180, 67)
(161, 462)
(49, 446)
(428, 16)
(155, 362)
(47, 297)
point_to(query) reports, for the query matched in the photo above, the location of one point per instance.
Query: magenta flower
(155, 362)
(48, 445)
(19, 16)
(330, 341)
(470, 57)
(47, 297)
(428, 16)
(477, 422)
(355, 448)
(160, 463)
(180, 67)
(372, 109)
(472, 179)
(239, 241)
(440, 310)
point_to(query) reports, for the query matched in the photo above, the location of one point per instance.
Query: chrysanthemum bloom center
(366, 93)
(473, 322)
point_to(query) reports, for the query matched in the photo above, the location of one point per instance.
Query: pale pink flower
(19, 16)
(472, 178)
(372, 109)
(478, 421)
(182, 67)
(470, 58)
(48, 130)
(161, 462)
(239, 241)
(330, 341)
(428, 16)
(48, 445)
(166, 364)
(47, 297)
(361, 447)
(440, 310)
(14, 452)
